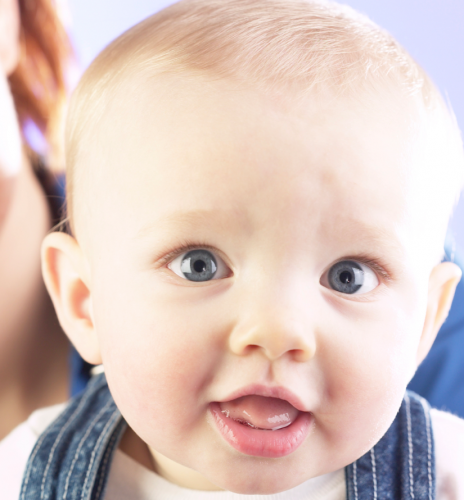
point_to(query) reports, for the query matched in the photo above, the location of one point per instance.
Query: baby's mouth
(245, 422)
(259, 412)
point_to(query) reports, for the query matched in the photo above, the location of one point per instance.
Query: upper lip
(268, 392)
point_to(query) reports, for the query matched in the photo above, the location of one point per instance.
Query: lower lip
(262, 443)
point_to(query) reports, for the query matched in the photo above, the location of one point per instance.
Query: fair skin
(279, 190)
(33, 350)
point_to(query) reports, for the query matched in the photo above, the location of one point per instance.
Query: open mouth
(245, 423)
(259, 412)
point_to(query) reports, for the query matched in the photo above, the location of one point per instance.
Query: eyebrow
(376, 236)
(192, 218)
(374, 232)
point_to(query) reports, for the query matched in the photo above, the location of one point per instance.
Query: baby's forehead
(173, 110)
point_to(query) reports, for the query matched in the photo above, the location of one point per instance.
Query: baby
(258, 192)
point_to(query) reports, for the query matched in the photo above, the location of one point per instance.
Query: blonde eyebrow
(374, 234)
(191, 218)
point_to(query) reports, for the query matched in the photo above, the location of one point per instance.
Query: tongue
(261, 412)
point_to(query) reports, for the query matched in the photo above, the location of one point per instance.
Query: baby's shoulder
(448, 431)
(16, 448)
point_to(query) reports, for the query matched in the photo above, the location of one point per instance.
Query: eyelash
(375, 264)
(185, 247)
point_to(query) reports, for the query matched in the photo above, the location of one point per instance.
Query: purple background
(431, 30)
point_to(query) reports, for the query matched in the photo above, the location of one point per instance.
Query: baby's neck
(135, 448)
(173, 472)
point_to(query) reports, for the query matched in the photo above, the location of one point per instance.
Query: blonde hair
(301, 44)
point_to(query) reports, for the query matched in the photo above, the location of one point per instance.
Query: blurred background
(431, 30)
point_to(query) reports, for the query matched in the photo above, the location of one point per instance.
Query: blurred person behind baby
(34, 369)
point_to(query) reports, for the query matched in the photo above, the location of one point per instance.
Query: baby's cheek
(158, 372)
(367, 368)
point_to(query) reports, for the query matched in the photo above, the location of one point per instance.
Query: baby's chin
(262, 479)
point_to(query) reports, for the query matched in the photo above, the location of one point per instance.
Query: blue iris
(346, 276)
(198, 265)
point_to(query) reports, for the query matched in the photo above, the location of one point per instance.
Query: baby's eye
(350, 277)
(199, 265)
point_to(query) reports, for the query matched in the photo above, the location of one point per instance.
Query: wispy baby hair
(301, 44)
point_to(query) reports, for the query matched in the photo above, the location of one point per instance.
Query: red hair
(38, 82)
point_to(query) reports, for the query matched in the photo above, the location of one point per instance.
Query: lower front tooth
(281, 426)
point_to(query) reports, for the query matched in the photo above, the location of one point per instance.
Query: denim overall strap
(402, 464)
(72, 457)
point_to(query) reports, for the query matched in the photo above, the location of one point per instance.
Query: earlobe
(442, 285)
(66, 278)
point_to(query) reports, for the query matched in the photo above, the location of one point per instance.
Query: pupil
(346, 277)
(199, 266)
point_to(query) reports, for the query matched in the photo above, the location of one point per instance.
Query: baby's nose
(276, 329)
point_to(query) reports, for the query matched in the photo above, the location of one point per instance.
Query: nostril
(251, 348)
(302, 355)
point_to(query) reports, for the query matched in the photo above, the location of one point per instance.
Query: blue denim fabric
(402, 464)
(72, 458)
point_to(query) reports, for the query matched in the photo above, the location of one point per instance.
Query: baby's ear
(67, 279)
(442, 285)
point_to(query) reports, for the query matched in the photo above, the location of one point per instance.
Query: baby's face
(255, 263)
